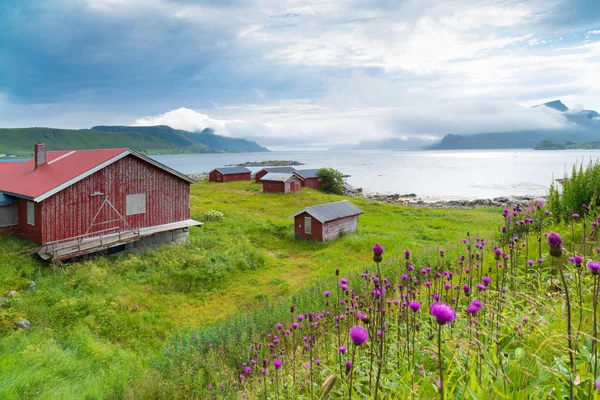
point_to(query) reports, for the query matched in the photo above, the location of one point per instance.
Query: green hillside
(19, 141)
(192, 141)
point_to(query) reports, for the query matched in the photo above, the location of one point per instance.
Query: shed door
(308, 225)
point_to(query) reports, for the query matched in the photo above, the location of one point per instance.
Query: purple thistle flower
(477, 303)
(300, 317)
(594, 266)
(279, 325)
(554, 239)
(327, 293)
(442, 312)
(530, 263)
(359, 335)
(575, 216)
(486, 280)
(414, 305)
(342, 349)
(472, 309)
(277, 363)
(378, 249)
(481, 286)
(348, 366)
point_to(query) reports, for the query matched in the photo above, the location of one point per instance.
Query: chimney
(39, 149)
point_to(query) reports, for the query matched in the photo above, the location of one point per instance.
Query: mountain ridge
(160, 139)
(582, 126)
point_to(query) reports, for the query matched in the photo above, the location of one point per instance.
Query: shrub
(334, 182)
(212, 215)
(578, 189)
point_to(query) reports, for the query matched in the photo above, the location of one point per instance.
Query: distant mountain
(20, 141)
(147, 139)
(205, 141)
(556, 104)
(582, 126)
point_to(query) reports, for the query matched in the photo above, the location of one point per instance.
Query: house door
(294, 186)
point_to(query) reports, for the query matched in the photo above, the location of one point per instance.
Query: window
(30, 213)
(308, 225)
(135, 204)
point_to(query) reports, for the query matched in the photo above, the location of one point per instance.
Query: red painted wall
(273, 187)
(316, 228)
(30, 232)
(259, 175)
(311, 183)
(293, 185)
(238, 177)
(69, 212)
(328, 231)
(216, 176)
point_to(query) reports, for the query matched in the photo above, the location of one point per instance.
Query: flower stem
(440, 361)
(351, 373)
(569, 333)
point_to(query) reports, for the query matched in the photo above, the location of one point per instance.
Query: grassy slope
(20, 140)
(97, 325)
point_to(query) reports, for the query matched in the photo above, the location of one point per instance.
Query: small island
(268, 163)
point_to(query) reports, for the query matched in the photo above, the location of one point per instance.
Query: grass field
(97, 327)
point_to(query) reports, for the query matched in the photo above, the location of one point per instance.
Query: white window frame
(30, 213)
(135, 204)
(308, 225)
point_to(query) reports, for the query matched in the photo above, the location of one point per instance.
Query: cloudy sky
(294, 73)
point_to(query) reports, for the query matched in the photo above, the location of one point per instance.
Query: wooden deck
(97, 241)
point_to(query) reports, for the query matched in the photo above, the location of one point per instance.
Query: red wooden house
(229, 174)
(326, 221)
(284, 170)
(82, 201)
(281, 183)
(311, 180)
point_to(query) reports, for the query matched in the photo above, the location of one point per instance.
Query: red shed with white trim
(230, 174)
(284, 170)
(326, 221)
(281, 183)
(82, 201)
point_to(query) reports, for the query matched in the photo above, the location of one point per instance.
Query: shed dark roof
(280, 177)
(331, 211)
(279, 169)
(308, 173)
(232, 170)
(6, 200)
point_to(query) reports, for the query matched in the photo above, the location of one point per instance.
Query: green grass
(98, 326)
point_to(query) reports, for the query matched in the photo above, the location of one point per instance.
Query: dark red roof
(62, 169)
(7, 165)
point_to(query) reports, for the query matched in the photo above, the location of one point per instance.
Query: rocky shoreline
(411, 199)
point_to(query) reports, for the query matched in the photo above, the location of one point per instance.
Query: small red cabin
(281, 183)
(229, 174)
(83, 201)
(311, 180)
(284, 170)
(326, 221)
